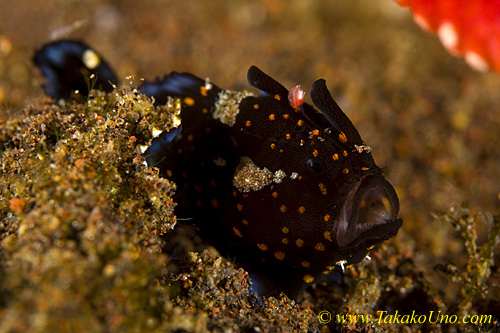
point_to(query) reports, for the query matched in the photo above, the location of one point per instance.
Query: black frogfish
(291, 191)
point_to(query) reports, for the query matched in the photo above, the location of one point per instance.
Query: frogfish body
(291, 191)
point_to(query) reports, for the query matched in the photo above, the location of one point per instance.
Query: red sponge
(469, 28)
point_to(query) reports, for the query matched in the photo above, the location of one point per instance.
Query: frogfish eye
(370, 207)
(315, 166)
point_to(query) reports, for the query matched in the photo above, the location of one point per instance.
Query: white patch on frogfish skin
(279, 176)
(249, 177)
(91, 59)
(227, 106)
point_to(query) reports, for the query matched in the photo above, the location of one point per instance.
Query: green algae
(473, 277)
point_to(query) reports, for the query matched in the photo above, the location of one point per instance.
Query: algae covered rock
(81, 216)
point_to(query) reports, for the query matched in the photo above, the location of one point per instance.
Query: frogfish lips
(369, 214)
